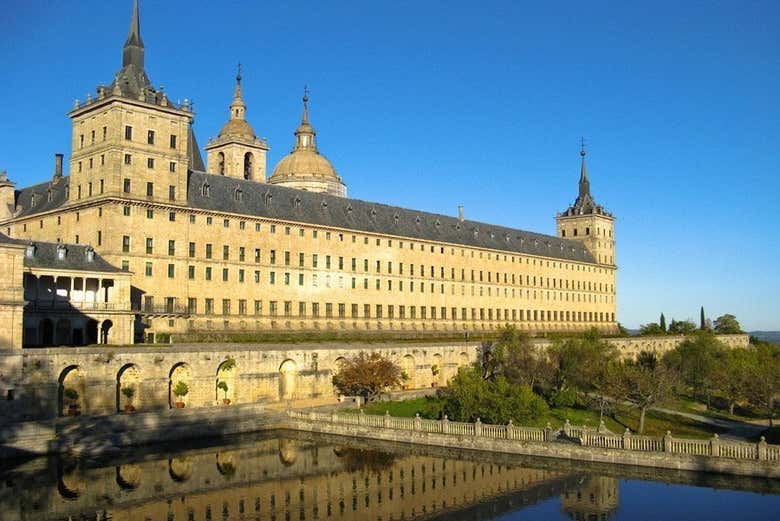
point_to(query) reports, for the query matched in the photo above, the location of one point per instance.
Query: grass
(656, 423)
(691, 405)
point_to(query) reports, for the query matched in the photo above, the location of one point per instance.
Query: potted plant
(224, 387)
(129, 392)
(180, 390)
(74, 408)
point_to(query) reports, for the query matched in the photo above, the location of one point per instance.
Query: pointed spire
(305, 116)
(238, 108)
(584, 183)
(133, 52)
(305, 133)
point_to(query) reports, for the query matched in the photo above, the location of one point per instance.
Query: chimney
(57, 166)
(460, 212)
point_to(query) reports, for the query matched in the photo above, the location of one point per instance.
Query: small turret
(7, 197)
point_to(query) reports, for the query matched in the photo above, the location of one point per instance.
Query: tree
(764, 379)
(662, 323)
(643, 383)
(732, 375)
(702, 320)
(470, 396)
(652, 329)
(681, 327)
(181, 389)
(696, 359)
(366, 375)
(223, 386)
(513, 356)
(727, 324)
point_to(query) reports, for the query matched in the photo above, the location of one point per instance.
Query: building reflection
(289, 479)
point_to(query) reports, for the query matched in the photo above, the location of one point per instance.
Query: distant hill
(768, 336)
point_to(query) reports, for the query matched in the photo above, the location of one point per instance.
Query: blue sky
(433, 104)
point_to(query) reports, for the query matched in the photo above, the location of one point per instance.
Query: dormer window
(89, 253)
(238, 195)
(373, 212)
(395, 218)
(32, 200)
(29, 251)
(437, 223)
(417, 220)
(349, 210)
(49, 195)
(324, 205)
(267, 198)
(62, 252)
(204, 190)
(297, 202)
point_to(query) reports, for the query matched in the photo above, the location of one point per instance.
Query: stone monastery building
(221, 245)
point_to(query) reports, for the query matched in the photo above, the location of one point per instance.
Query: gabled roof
(226, 194)
(76, 259)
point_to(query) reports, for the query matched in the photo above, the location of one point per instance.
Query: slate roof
(277, 202)
(75, 259)
(24, 197)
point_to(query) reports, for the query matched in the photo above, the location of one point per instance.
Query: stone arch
(226, 464)
(69, 479)
(128, 477)
(288, 376)
(288, 452)
(249, 166)
(180, 372)
(226, 373)
(408, 368)
(221, 163)
(105, 328)
(62, 334)
(46, 332)
(71, 379)
(437, 370)
(180, 469)
(128, 377)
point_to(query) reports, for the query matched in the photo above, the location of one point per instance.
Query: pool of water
(287, 476)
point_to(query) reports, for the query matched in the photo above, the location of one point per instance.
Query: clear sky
(428, 105)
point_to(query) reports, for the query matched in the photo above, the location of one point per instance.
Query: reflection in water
(297, 479)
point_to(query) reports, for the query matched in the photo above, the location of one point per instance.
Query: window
(126, 211)
(128, 159)
(125, 243)
(314, 260)
(208, 251)
(172, 166)
(128, 132)
(192, 306)
(125, 265)
(171, 247)
(242, 307)
(171, 270)
(150, 137)
(148, 269)
(150, 162)
(257, 254)
(191, 250)
(173, 140)
(225, 274)
(287, 258)
(241, 253)
(226, 252)
(126, 186)
(225, 306)
(273, 256)
(300, 260)
(149, 189)
(149, 213)
(172, 216)
(240, 275)
(209, 306)
(191, 272)
(272, 277)
(171, 193)
(207, 275)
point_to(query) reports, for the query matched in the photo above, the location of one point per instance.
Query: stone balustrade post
(715, 445)
(567, 428)
(417, 422)
(333, 417)
(478, 427)
(668, 441)
(361, 417)
(626, 441)
(761, 446)
(445, 425)
(548, 432)
(510, 430)
(386, 420)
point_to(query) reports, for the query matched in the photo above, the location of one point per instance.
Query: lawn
(656, 423)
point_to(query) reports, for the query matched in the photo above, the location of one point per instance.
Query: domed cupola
(305, 168)
(237, 152)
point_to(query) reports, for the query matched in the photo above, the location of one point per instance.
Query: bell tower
(589, 223)
(237, 152)
(130, 140)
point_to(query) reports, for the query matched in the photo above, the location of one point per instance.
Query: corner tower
(237, 152)
(130, 140)
(305, 168)
(589, 223)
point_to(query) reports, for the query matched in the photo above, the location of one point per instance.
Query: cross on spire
(582, 146)
(238, 74)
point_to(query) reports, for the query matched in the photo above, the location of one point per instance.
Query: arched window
(238, 195)
(221, 163)
(204, 190)
(248, 165)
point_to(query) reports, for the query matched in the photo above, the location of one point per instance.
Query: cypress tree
(662, 323)
(702, 322)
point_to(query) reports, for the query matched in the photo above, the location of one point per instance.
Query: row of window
(151, 137)
(587, 232)
(390, 311)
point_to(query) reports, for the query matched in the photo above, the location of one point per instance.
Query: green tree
(696, 359)
(662, 323)
(643, 383)
(702, 320)
(514, 356)
(681, 327)
(470, 396)
(727, 324)
(764, 379)
(732, 375)
(651, 329)
(366, 375)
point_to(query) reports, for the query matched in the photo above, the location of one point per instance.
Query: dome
(237, 128)
(303, 164)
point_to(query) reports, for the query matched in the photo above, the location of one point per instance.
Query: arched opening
(463, 360)
(69, 480)
(288, 373)
(46, 332)
(128, 477)
(249, 166)
(221, 163)
(179, 386)
(70, 392)
(179, 469)
(288, 452)
(226, 464)
(128, 387)
(436, 370)
(91, 332)
(225, 386)
(408, 372)
(105, 327)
